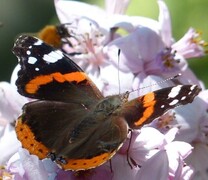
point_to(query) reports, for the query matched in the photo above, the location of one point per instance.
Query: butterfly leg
(52, 156)
(59, 160)
(130, 160)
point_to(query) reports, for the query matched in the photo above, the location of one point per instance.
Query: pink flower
(198, 160)
(196, 129)
(146, 54)
(10, 108)
(168, 157)
(192, 121)
(10, 103)
(25, 166)
(189, 46)
(97, 44)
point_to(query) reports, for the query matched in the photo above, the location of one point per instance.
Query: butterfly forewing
(144, 109)
(47, 73)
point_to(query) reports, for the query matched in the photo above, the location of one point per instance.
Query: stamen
(168, 58)
(165, 120)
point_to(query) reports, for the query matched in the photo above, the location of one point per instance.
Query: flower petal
(165, 23)
(188, 118)
(144, 46)
(190, 45)
(34, 168)
(115, 81)
(7, 141)
(178, 147)
(146, 144)
(121, 168)
(116, 6)
(10, 102)
(199, 161)
(68, 10)
(156, 167)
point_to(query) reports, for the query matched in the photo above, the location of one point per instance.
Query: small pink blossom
(160, 168)
(10, 103)
(164, 154)
(192, 121)
(8, 139)
(190, 45)
(26, 166)
(10, 108)
(198, 160)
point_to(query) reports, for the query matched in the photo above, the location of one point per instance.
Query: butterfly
(70, 121)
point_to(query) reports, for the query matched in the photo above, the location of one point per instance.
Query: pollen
(165, 120)
(197, 39)
(168, 58)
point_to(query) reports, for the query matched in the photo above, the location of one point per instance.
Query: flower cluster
(122, 53)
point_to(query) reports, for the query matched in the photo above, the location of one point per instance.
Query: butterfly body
(70, 121)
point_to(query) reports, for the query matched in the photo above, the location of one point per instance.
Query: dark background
(19, 16)
(23, 16)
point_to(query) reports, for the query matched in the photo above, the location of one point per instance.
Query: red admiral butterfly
(71, 122)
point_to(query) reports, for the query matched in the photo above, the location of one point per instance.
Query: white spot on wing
(38, 43)
(174, 102)
(193, 87)
(174, 91)
(28, 52)
(53, 56)
(32, 60)
(37, 69)
(183, 98)
(162, 106)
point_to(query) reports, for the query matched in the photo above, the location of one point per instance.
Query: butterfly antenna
(119, 83)
(159, 82)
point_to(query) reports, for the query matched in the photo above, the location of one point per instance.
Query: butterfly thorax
(108, 105)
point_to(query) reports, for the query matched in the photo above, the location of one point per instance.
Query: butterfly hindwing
(70, 131)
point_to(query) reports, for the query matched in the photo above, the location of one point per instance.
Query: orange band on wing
(27, 138)
(84, 164)
(33, 85)
(148, 103)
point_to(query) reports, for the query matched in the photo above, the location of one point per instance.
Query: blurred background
(22, 16)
